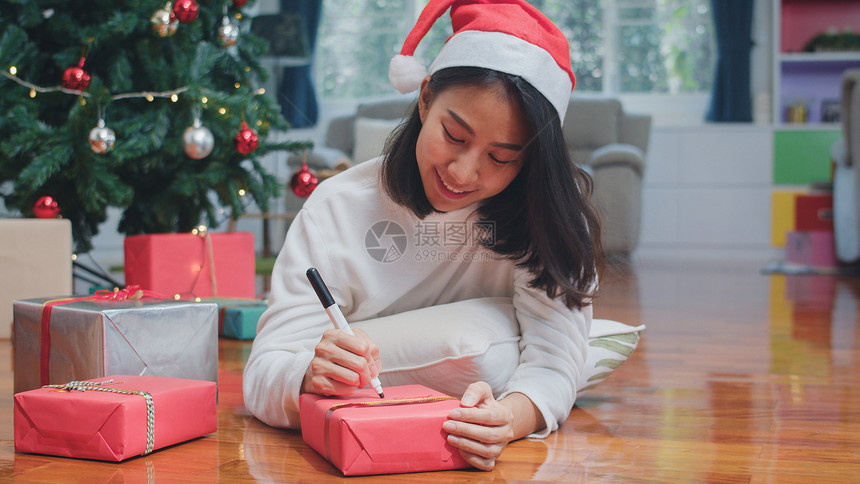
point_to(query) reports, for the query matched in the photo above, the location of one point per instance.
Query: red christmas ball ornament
(46, 207)
(186, 10)
(239, 3)
(304, 182)
(75, 77)
(246, 140)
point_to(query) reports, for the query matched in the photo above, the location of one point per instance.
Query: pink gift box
(107, 420)
(192, 265)
(362, 434)
(814, 248)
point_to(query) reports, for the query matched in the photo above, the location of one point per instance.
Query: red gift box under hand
(113, 418)
(362, 434)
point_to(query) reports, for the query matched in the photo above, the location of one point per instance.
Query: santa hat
(510, 36)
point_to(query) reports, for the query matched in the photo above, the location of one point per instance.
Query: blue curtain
(296, 94)
(730, 95)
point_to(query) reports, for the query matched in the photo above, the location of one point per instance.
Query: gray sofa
(610, 144)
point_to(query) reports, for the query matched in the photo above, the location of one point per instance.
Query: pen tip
(381, 395)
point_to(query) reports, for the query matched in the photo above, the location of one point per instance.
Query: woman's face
(471, 145)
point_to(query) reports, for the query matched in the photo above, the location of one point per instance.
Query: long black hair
(544, 220)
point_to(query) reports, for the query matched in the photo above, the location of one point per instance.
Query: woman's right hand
(342, 363)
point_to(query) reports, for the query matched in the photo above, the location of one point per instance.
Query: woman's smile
(449, 190)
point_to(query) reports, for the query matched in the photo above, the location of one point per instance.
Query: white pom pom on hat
(406, 73)
(510, 36)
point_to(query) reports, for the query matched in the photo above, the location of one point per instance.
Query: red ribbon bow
(134, 293)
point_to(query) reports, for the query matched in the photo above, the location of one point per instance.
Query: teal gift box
(237, 318)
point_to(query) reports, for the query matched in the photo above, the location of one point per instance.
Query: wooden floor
(740, 377)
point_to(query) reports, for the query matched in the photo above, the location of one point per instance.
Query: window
(617, 46)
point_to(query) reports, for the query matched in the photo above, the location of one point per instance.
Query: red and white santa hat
(510, 36)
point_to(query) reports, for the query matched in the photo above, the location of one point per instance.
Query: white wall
(707, 189)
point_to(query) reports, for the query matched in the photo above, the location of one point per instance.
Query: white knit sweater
(379, 259)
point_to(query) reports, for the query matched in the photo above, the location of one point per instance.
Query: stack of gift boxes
(811, 243)
(121, 372)
(125, 372)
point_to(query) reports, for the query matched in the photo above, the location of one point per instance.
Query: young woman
(481, 154)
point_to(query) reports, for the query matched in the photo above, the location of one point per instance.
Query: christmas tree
(150, 106)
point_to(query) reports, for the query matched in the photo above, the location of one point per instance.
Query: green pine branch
(44, 146)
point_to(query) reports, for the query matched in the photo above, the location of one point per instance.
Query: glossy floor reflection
(740, 377)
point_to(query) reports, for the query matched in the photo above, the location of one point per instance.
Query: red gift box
(113, 418)
(192, 265)
(362, 434)
(814, 212)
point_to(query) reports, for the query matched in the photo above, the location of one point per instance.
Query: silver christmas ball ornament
(164, 22)
(228, 32)
(197, 141)
(102, 138)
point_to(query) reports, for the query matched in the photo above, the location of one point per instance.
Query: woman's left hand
(481, 428)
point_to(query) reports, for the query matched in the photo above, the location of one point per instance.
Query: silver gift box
(94, 339)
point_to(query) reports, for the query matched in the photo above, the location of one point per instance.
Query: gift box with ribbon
(192, 265)
(362, 434)
(113, 418)
(128, 331)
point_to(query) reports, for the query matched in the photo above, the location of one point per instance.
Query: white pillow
(370, 135)
(610, 343)
(446, 354)
(429, 347)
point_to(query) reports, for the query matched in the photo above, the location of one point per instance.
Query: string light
(261, 91)
(241, 192)
(222, 110)
(83, 94)
(204, 100)
(174, 97)
(237, 85)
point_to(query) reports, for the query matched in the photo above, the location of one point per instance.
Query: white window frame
(666, 108)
